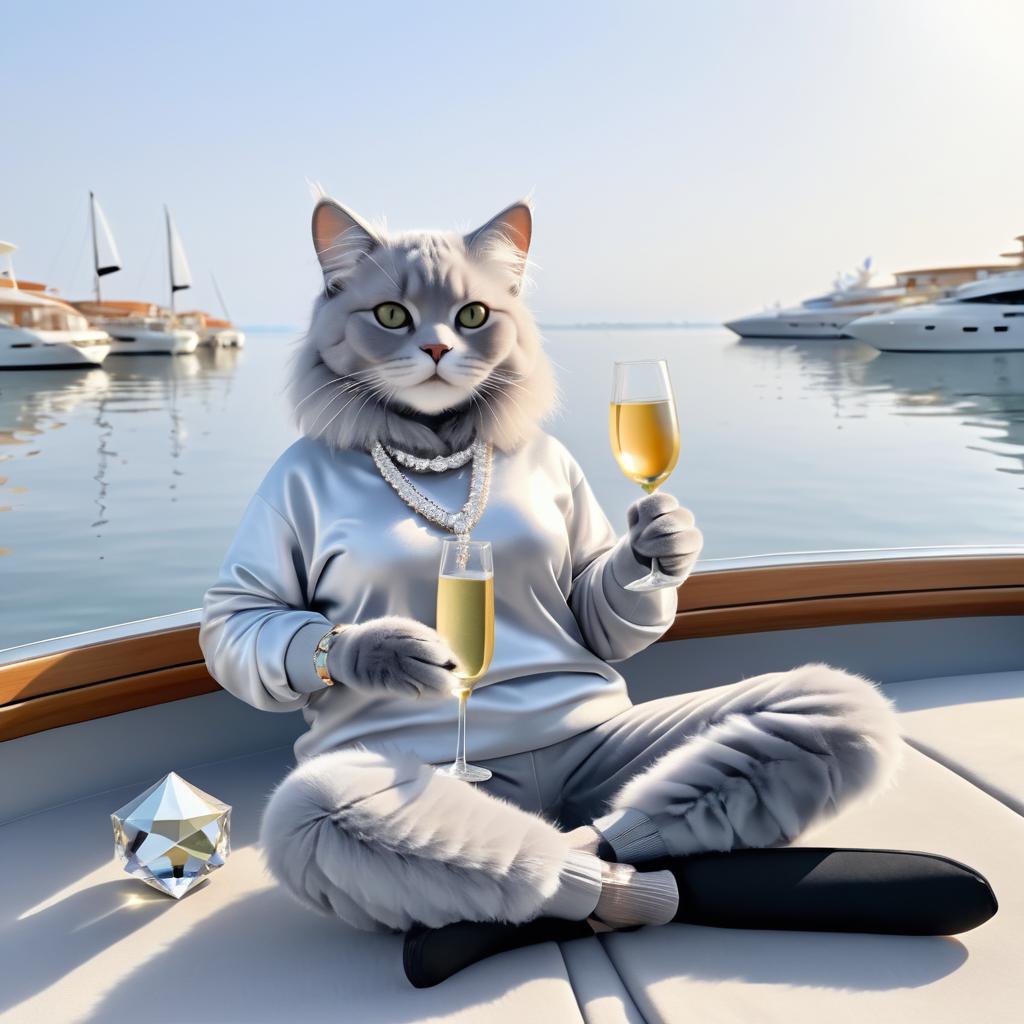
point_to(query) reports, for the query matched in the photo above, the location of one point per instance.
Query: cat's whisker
(330, 401)
(315, 390)
(328, 383)
(498, 391)
(345, 386)
(398, 287)
(327, 425)
(504, 380)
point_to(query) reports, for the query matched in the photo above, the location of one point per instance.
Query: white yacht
(138, 328)
(984, 316)
(37, 330)
(853, 297)
(825, 316)
(216, 332)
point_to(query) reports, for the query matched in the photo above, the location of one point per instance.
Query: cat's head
(422, 339)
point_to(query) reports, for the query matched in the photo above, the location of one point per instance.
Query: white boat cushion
(689, 974)
(972, 724)
(82, 941)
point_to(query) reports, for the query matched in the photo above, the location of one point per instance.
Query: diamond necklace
(460, 523)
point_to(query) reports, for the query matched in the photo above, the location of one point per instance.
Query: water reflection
(983, 391)
(35, 402)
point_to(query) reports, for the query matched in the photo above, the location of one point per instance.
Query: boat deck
(83, 942)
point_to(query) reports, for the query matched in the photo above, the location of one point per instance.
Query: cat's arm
(258, 634)
(617, 623)
(255, 622)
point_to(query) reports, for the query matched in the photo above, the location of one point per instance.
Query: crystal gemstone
(172, 835)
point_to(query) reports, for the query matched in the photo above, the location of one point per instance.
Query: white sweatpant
(382, 840)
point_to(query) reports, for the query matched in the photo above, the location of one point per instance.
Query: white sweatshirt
(326, 540)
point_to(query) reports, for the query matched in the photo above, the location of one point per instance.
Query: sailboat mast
(170, 255)
(95, 245)
(220, 298)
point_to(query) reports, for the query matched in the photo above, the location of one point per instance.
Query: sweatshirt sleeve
(616, 623)
(256, 633)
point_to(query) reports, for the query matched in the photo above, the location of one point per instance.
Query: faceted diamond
(172, 835)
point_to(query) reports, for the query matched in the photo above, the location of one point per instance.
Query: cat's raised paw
(659, 527)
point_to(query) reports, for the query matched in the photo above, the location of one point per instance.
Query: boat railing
(100, 672)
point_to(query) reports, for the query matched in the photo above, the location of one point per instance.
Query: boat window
(970, 330)
(42, 317)
(999, 328)
(929, 327)
(1009, 298)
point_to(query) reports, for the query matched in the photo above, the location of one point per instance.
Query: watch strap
(323, 648)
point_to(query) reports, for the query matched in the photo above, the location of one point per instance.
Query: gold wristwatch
(323, 647)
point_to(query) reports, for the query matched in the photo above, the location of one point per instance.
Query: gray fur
(660, 528)
(393, 655)
(382, 840)
(780, 752)
(354, 381)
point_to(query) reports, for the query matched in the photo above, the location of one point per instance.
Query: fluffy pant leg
(773, 755)
(382, 840)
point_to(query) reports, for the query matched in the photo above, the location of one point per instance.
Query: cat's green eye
(474, 314)
(392, 315)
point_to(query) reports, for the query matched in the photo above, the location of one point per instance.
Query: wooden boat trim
(90, 676)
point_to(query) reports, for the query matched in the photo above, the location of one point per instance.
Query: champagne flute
(465, 618)
(644, 433)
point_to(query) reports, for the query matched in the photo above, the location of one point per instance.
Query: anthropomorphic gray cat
(420, 390)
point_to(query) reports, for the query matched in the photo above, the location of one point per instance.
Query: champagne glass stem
(460, 747)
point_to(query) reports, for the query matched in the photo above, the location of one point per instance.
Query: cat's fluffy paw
(659, 527)
(393, 655)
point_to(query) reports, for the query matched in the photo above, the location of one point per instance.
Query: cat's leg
(749, 765)
(385, 841)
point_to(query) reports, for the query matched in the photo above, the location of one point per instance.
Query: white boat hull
(23, 348)
(800, 322)
(224, 337)
(138, 340)
(944, 327)
(774, 325)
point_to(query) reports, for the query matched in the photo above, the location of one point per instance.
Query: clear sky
(688, 160)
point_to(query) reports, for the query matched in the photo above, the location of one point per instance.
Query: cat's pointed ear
(341, 240)
(505, 239)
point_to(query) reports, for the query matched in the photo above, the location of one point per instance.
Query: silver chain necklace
(461, 522)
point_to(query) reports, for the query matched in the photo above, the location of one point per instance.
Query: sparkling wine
(465, 618)
(645, 440)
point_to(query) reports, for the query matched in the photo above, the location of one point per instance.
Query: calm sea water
(120, 487)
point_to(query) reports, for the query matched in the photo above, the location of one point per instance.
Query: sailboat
(137, 328)
(217, 332)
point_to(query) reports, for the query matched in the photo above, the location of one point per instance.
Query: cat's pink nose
(436, 350)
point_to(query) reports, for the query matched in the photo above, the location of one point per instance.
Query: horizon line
(567, 326)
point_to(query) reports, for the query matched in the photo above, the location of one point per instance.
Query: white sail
(106, 256)
(181, 276)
